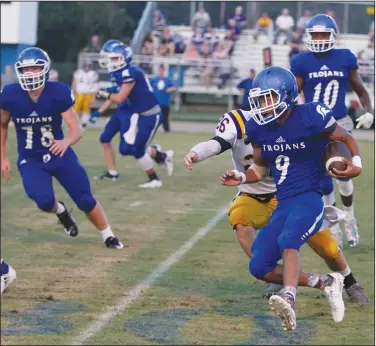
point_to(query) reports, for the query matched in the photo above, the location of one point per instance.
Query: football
(334, 153)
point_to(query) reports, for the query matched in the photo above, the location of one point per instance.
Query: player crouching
(37, 107)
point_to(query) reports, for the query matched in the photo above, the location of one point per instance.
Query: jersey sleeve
(65, 98)
(321, 118)
(128, 75)
(296, 66)
(352, 60)
(226, 129)
(6, 99)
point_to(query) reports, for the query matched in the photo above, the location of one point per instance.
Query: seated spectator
(179, 43)
(191, 54)
(295, 44)
(167, 46)
(284, 23)
(8, 77)
(235, 30)
(245, 86)
(224, 48)
(159, 22)
(201, 20)
(239, 17)
(303, 22)
(147, 45)
(263, 25)
(198, 38)
(212, 39)
(94, 45)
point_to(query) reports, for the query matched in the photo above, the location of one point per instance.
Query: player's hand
(190, 159)
(93, 117)
(5, 168)
(351, 171)
(103, 94)
(232, 178)
(59, 147)
(365, 121)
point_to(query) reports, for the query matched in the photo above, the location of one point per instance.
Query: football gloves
(365, 121)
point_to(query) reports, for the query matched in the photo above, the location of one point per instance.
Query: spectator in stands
(366, 61)
(94, 45)
(263, 25)
(245, 86)
(284, 24)
(179, 43)
(207, 69)
(235, 30)
(303, 22)
(147, 45)
(163, 88)
(191, 53)
(332, 14)
(295, 44)
(371, 32)
(167, 47)
(212, 39)
(224, 48)
(159, 22)
(239, 17)
(53, 75)
(8, 77)
(201, 19)
(198, 38)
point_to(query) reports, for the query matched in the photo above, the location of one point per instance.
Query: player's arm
(73, 86)
(5, 165)
(353, 167)
(300, 82)
(70, 118)
(356, 82)
(123, 93)
(258, 171)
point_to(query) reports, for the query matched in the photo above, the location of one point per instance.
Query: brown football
(333, 154)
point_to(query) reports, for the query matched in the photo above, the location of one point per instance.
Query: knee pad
(345, 187)
(138, 152)
(86, 202)
(258, 268)
(326, 185)
(125, 149)
(145, 162)
(44, 203)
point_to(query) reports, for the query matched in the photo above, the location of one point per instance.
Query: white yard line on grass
(105, 318)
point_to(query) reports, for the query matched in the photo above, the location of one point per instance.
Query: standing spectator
(264, 24)
(159, 22)
(163, 88)
(303, 22)
(94, 45)
(235, 30)
(295, 44)
(201, 19)
(239, 17)
(8, 77)
(284, 23)
(179, 43)
(167, 47)
(245, 86)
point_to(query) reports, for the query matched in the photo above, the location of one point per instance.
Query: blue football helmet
(274, 91)
(321, 23)
(115, 55)
(32, 57)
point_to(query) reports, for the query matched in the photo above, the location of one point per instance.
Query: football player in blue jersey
(323, 74)
(38, 107)
(289, 139)
(138, 116)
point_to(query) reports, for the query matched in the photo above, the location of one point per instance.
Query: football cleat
(69, 224)
(151, 184)
(333, 293)
(169, 162)
(272, 289)
(107, 176)
(284, 307)
(8, 275)
(351, 231)
(356, 294)
(113, 243)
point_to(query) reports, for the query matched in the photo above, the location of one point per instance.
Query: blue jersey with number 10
(141, 97)
(325, 77)
(294, 150)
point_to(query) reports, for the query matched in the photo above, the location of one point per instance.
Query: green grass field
(207, 297)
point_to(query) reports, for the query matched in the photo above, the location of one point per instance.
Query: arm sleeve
(295, 66)
(207, 149)
(352, 60)
(66, 98)
(321, 118)
(128, 76)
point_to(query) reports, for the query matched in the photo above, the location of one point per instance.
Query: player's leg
(72, 176)
(166, 118)
(326, 185)
(327, 248)
(110, 130)
(8, 275)
(86, 106)
(78, 104)
(162, 158)
(37, 182)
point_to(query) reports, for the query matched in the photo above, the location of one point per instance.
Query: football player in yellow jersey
(254, 203)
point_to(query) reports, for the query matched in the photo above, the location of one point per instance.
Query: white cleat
(337, 235)
(7, 279)
(152, 184)
(334, 295)
(351, 231)
(285, 312)
(169, 162)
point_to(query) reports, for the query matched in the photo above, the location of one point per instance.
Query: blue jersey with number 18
(325, 77)
(294, 150)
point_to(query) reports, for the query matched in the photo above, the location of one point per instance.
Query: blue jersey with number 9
(37, 123)
(294, 150)
(325, 77)
(141, 97)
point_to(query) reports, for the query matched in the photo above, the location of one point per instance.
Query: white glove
(365, 121)
(103, 94)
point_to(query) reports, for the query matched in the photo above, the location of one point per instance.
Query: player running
(252, 207)
(323, 74)
(38, 107)
(289, 139)
(137, 118)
